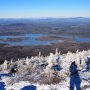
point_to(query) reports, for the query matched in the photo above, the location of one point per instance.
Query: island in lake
(49, 38)
(14, 39)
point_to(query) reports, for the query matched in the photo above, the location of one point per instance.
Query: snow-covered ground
(46, 73)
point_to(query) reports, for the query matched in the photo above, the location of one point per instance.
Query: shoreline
(8, 52)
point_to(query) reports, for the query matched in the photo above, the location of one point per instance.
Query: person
(74, 77)
(13, 70)
(88, 64)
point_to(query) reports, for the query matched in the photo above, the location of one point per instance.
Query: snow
(37, 71)
(17, 86)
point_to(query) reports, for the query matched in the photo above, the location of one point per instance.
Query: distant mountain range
(71, 26)
(45, 20)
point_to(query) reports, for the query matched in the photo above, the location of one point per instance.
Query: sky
(44, 8)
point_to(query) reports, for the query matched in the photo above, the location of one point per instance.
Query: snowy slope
(39, 71)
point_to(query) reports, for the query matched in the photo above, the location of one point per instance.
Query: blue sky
(44, 8)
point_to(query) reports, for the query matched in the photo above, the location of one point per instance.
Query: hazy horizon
(43, 17)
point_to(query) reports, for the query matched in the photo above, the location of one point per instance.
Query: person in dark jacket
(74, 77)
(88, 64)
(13, 70)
